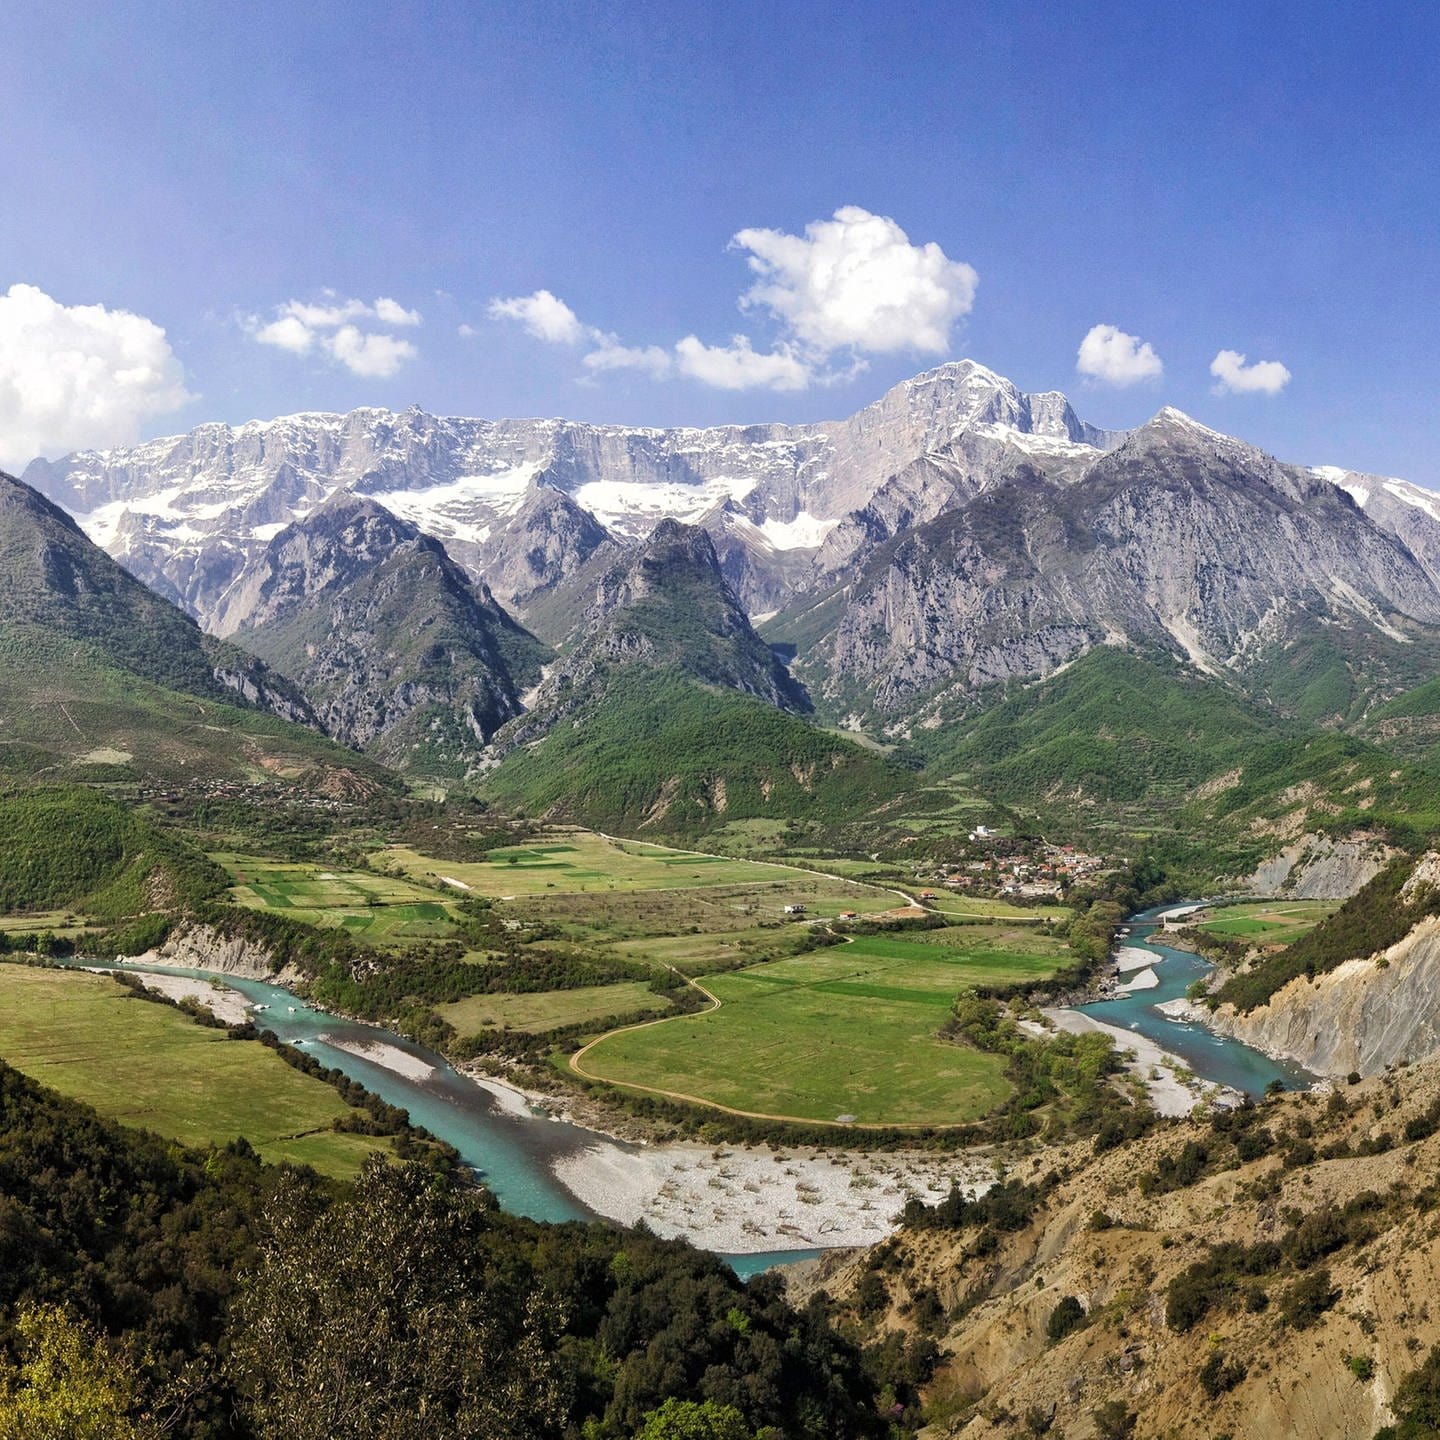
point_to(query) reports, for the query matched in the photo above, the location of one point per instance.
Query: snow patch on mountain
(633, 507)
(449, 511)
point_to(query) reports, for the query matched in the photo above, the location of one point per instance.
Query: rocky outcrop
(1318, 867)
(666, 605)
(201, 947)
(399, 652)
(1366, 1015)
(1180, 539)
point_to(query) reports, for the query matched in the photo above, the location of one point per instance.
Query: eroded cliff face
(1100, 1237)
(199, 947)
(1366, 1015)
(1317, 867)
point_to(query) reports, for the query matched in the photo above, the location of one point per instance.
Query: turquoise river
(514, 1153)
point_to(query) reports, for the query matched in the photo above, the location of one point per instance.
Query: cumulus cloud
(372, 356)
(737, 366)
(848, 287)
(329, 328)
(1111, 356)
(79, 376)
(855, 282)
(545, 316)
(610, 354)
(1235, 377)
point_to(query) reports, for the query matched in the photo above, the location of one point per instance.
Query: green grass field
(845, 1031)
(582, 863)
(592, 1004)
(947, 902)
(1275, 922)
(380, 909)
(147, 1065)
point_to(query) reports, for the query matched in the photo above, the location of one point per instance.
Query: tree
(69, 1385)
(372, 1320)
(692, 1420)
(1417, 1403)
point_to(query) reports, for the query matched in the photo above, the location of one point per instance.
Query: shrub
(1304, 1302)
(1218, 1375)
(1068, 1315)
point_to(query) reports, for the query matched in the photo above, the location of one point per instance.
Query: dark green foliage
(376, 1316)
(1135, 738)
(1006, 1206)
(1116, 727)
(149, 1242)
(1066, 1075)
(1068, 1315)
(1305, 1301)
(1113, 1421)
(1219, 1375)
(1193, 1293)
(1371, 920)
(1417, 1403)
(64, 845)
(659, 745)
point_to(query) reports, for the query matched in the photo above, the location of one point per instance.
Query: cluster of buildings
(1033, 869)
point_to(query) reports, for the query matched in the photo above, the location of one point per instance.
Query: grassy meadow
(849, 1030)
(549, 1010)
(579, 862)
(805, 1033)
(1268, 922)
(148, 1065)
(378, 909)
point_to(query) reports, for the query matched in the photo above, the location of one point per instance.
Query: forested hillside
(235, 1300)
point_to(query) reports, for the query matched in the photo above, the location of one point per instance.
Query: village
(1021, 867)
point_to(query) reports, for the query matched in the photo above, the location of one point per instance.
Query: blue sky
(1257, 179)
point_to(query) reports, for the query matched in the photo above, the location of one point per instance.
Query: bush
(1304, 1302)
(1113, 1421)
(1068, 1315)
(1218, 1375)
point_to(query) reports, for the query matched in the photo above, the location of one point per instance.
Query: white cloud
(466, 331)
(373, 356)
(392, 312)
(855, 282)
(1265, 377)
(79, 376)
(1111, 356)
(850, 286)
(610, 354)
(288, 333)
(329, 327)
(545, 316)
(737, 366)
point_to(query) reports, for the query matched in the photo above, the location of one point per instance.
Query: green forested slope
(661, 751)
(221, 1299)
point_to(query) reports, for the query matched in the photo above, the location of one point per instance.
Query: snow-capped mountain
(1405, 510)
(955, 533)
(1180, 539)
(188, 513)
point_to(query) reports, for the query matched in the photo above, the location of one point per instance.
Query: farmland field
(552, 1009)
(1274, 922)
(147, 1065)
(581, 862)
(845, 1031)
(379, 909)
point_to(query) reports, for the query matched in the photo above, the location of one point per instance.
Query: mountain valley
(521, 739)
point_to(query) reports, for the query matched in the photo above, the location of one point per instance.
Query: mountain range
(102, 679)
(449, 594)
